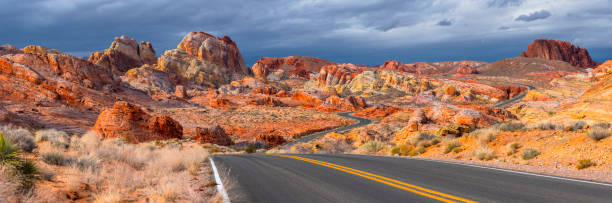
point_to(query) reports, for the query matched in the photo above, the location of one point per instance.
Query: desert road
(359, 178)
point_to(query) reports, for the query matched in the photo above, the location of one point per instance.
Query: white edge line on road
(513, 171)
(220, 188)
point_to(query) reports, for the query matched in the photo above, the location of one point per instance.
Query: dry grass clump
(55, 137)
(484, 153)
(20, 137)
(371, 147)
(598, 133)
(513, 148)
(529, 153)
(601, 125)
(546, 126)
(486, 135)
(578, 125)
(585, 163)
(111, 170)
(452, 146)
(509, 126)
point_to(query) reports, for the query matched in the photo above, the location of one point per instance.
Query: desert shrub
(301, 148)
(9, 154)
(546, 126)
(57, 158)
(529, 153)
(26, 174)
(425, 136)
(20, 137)
(417, 151)
(372, 147)
(513, 148)
(601, 125)
(451, 146)
(486, 135)
(400, 150)
(484, 153)
(87, 163)
(55, 137)
(251, 149)
(455, 130)
(509, 126)
(585, 163)
(578, 125)
(598, 133)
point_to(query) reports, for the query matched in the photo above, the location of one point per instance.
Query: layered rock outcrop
(350, 103)
(9, 49)
(213, 134)
(150, 80)
(124, 54)
(42, 75)
(338, 74)
(288, 67)
(130, 122)
(205, 59)
(560, 50)
(466, 69)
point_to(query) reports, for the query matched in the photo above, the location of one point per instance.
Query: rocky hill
(205, 59)
(560, 50)
(288, 67)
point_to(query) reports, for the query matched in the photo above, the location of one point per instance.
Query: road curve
(308, 138)
(503, 103)
(342, 178)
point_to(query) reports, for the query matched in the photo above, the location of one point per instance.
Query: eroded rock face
(205, 59)
(338, 74)
(135, 125)
(449, 114)
(288, 67)
(124, 54)
(350, 103)
(271, 140)
(560, 50)
(43, 75)
(213, 134)
(309, 97)
(9, 49)
(146, 78)
(266, 100)
(466, 69)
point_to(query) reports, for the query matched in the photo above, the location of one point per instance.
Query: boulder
(560, 50)
(124, 54)
(180, 92)
(9, 49)
(219, 103)
(130, 122)
(213, 134)
(205, 59)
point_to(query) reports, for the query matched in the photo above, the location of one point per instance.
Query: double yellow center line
(388, 181)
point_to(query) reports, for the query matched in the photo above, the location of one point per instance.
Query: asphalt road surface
(359, 178)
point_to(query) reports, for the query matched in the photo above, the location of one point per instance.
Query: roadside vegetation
(52, 166)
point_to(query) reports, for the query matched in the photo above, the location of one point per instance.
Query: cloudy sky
(356, 31)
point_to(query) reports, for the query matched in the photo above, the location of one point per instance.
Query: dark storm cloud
(358, 31)
(445, 22)
(543, 14)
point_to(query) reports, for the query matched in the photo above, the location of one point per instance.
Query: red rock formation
(512, 90)
(124, 54)
(310, 98)
(419, 68)
(338, 74)
(219, 103)
(267, 100)
(265, 90)
(133, 124)
(377, 111)
(9, 49)
(211, 61)
(213, 134)
(288, 67)
(153, 81)
(560, 50)
(271, 140)
(180, 92)
(335, 103)
(466, 69)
